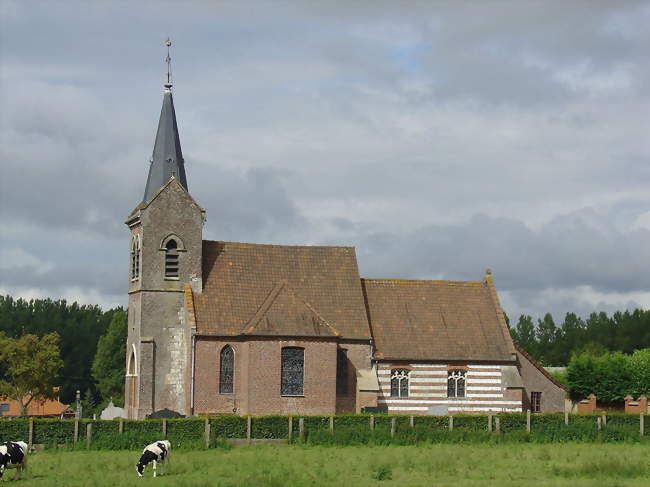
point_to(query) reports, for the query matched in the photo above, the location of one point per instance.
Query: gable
(436, 320)
(316, 287)
(284, 313)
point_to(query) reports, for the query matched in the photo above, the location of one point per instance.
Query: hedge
(349, 429)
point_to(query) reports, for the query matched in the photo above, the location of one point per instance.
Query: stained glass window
(399, 383)
(341, 372)
(293, 370)
(456, 383)
(227, 370)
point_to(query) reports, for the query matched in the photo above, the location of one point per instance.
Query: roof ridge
(251, 244)
(407, 281)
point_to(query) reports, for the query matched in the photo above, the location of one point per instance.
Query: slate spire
(167, 158)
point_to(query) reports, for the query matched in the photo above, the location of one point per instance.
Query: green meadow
(573, 464)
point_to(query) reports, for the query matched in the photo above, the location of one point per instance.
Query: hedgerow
(348, 429)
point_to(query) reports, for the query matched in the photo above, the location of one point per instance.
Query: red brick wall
(257, 377)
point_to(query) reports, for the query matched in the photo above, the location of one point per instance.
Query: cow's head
(138, 468)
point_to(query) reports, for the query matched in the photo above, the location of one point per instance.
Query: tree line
(90, 346)
(554, 345)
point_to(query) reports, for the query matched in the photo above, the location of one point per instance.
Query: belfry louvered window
(456, 383)
(135, 258)
(293, 371)
(227, 370)
(399, 383)
(171, 260)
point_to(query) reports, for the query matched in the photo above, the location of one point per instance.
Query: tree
(547, 337)
(109, 367)
(640, 369)
(29, 367)
(524, 334)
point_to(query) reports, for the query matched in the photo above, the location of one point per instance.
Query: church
(253, 329)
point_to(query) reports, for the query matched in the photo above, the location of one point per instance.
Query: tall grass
(575, 465)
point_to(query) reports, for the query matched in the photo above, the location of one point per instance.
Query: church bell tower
(164, 258)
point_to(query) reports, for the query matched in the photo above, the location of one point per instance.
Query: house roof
(49, 407)
(442, 320)
(255, 289)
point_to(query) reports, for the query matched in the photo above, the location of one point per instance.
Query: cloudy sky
(439, 138)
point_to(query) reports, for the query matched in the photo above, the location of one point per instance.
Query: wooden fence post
(89, 435)
(120, 427)
(392, 427)
(451, 423)
(76, 431)
(332, 424)
(527, 420)
(604, 416)
(249, 429)
(164, 428)
(301, 429)
(490, 423)
(290, 434)
(599, 423)
(566, 418)
(30, 439)
(411, 422)
(372, 422)
(497, 425)
(206, 432)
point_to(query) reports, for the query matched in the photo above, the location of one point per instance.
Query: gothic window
(135, 258)
(399, 383)
(341, 372)
(456, 383)
(171, 260)
(293, 371)
(227, 370)
(535, 402)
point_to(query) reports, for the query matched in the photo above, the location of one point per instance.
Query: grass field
(586, 464)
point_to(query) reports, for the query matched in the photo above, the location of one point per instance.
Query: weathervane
(168, 60)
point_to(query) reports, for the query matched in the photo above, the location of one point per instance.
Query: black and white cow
(156, 452)
(13, 454)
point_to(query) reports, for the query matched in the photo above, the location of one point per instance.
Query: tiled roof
(49, 407)
(441, 320)
(280, 290)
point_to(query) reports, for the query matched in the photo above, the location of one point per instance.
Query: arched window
(399, 383)
(131, 377)
(171, 260)
(456, 383)
(293, 371)
(227, 370)
(135, 258)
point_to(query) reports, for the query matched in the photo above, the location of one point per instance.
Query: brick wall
(257, 377)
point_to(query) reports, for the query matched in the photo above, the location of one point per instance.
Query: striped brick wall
(428, 389)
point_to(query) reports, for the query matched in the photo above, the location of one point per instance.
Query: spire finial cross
(168, 60)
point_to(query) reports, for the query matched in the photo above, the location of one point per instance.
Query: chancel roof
(254, 289)
(437, 320)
